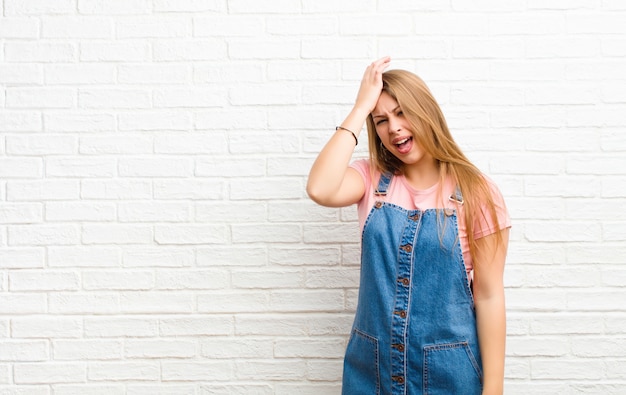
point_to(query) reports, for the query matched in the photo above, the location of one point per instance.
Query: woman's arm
(331, 182)
(490, 308)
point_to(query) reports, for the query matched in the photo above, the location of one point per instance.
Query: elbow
(315, 193)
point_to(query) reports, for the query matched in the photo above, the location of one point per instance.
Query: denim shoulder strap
(383, 184)
(457, 196)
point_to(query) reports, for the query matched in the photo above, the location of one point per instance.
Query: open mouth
(403, 142)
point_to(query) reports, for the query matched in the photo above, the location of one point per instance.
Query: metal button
(404, 281)
(399, 347)
(406, 248)
(378, 204)
(414, 217)
(401, 313)
(398, 379)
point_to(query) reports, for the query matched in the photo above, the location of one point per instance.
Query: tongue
(405, 147)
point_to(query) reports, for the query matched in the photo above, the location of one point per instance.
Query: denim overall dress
(415, 327)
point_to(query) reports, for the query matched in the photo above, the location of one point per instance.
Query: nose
(394, 124)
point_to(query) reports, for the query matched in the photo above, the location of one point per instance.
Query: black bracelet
(356, 141)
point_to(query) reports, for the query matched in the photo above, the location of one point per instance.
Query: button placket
(399, 320)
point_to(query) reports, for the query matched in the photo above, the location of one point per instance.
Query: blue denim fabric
(415, 328)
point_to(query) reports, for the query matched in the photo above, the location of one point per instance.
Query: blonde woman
(431, 313)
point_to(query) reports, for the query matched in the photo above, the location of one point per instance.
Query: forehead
(386, 104)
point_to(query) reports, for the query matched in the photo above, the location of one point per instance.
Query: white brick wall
(155, 236)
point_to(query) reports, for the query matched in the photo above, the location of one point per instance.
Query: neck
(423, 175)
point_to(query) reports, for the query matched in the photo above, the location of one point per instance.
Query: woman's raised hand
(371, 85)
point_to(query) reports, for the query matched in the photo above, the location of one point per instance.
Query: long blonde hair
(431, 132)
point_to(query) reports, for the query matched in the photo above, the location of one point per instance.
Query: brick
(113, 98)
(80, 167)
(194, 325)
(281, 233)
(188, 50)
(123, 51)
(147, 73)
(267, 279)
(22, 258)
(77, 257)
(337, 48)
(157, 257)
(76, 28)
(50, 373)
(327, 6)
(43, 235)
(161, 389)
(270, 369)
(116, 144)
(79, 212)
(20, 213)
(276, 7)
(272, 188)
(227, 256)
(266, 94)
(230, 167)
(82, 303)
(19, 28)
(189, 97)
(542, 369)
(226, 348)
(153, 27)
(20, 168)
(40, 51)
(154, 212)
(112, 327)
(78, 122)
(72, 350)
(41, 145)
(230, 119)
(39, 7)
(242, 49)
(188, 5)
(232, 26)
(191, 143)
(191, 279)
(23, 74)
(115, 189)
(193, 189)
(262, 143)
(310, 348)
(324, 370)
(116, 280)
(197, 371)
(298, 211)
(190, 234)
(117, 234)
(43, 281)
(22, 303)
(160, 349)
(329, 255)
(123, 371)
(23, 351)
(155, 167)
(114, 7)
(152, 120)
(45, 327)
(11, 121)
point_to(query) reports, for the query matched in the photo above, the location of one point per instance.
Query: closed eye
(380, 121)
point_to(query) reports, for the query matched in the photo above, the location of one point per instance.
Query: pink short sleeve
(484, 226)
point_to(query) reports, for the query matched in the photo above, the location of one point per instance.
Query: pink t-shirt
(404, 195)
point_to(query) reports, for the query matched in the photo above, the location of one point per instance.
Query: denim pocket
(451, 369)
(361, 370)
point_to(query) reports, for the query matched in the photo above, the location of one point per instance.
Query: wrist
(359, 112)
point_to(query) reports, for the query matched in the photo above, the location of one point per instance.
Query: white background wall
(155, 235)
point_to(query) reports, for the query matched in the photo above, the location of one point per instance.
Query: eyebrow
(380, 116)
